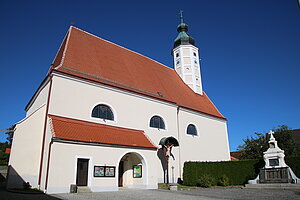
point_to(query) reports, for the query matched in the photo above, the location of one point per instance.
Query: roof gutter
(100, 144)
(37, 92)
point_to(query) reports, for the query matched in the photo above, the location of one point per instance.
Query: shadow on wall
(160, 155)
(17, 188)
(14, 180)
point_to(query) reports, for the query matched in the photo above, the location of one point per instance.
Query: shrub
(294, 164)
(164, 186)
(205, 181)
(238, 172)
(223, 180)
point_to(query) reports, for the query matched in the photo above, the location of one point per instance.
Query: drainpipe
(44, 132)
(178, 136)
(48, 164)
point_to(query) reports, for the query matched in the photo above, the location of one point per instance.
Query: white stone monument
(275, 169)
(274, 156)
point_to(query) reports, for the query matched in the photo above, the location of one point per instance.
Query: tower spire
(181, 16)
(183, 37)
(186, 57)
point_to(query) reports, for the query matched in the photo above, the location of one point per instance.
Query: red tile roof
(233, 158)
(234, 155)
(83, 131)
(7, 150)
(88, 57)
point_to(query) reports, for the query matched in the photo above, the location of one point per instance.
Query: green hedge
(238, 172)
(3, 163)
(294, 164)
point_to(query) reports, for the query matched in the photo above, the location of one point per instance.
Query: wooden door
(121, 172)
(82, 172)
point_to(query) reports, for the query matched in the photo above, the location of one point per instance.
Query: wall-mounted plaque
(104, 171)
(274, 162)
(137, 171)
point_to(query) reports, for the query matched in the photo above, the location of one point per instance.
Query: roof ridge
(64, 46)
(67, 37)
(213, 105)
(122, 47)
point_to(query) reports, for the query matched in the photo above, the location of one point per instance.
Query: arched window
(157, 122)
(103, 111)
(191, 129)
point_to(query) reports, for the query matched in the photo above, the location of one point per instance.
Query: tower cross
(271, 134)
(181, 16)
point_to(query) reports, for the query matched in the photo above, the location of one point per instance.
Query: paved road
(199, 194)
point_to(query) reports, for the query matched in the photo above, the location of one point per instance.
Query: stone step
(285, 186)
(83, 189)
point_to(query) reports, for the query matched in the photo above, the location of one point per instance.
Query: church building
(107, 117)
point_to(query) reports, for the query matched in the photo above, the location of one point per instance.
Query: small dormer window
(195, 61)
(177, 55)
(177, 62)
(195, 54)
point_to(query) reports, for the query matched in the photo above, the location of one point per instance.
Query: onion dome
(183, 37)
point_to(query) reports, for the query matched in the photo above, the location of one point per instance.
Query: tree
(286, 142)
(254, 147)
(10, 133)
(3, 156)
(3, 145)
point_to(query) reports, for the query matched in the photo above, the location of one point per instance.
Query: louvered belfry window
(157, 122)
(103, 112)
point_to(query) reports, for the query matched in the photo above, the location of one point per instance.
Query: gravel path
(192, 194)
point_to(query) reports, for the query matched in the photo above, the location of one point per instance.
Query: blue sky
(249, 51)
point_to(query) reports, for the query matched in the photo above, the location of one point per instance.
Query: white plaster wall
(26, 149)
(211, 143)
(48, 137)
(191, 74)
(63, 165)
(40, 99)
(75, 99)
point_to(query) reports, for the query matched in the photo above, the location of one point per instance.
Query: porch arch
(126, 163)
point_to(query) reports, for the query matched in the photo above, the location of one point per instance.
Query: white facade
(75, 99)
(51, 164)
(187, 65)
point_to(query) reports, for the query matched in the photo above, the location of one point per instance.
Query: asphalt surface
(192, 194)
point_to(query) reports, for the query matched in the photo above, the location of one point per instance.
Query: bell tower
(186, 58)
